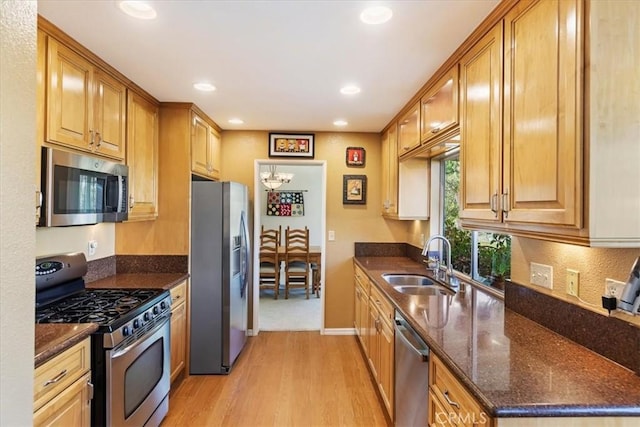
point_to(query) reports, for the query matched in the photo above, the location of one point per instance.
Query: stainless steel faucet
(425, 251)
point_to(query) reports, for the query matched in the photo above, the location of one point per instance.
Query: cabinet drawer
(382, 303)
(454, 398)
(55, 375)
(178, 294)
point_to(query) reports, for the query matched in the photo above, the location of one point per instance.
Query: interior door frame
(258, 208)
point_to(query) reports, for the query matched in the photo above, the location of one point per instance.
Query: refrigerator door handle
(244, 257)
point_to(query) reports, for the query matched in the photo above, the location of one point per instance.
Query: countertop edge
(65, 336)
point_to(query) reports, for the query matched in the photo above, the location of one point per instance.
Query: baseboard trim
(339, 331)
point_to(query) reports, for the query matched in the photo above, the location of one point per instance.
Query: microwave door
(76, 196)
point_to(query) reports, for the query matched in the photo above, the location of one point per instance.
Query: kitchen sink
(408, 280)
(415, 284)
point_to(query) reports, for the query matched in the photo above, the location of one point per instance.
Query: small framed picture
(355, 156)
(291, 145)
(354, 189)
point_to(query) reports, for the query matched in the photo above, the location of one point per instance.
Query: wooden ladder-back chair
(297, 268)
(270, 260)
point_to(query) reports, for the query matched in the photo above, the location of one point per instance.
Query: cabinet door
(199, 146)
(373, 339)
(72, 407)
(481, 128)
(178, 339)
(214, 153)
(142, 157)
(69, 97)
(110, 103)
(386, 370)
(439, 107)
(409, 130)
(390, 172)
(542, 99)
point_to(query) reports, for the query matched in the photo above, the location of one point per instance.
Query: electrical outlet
(541, 275)
(573, 282)
(92, 246)
(613, 288)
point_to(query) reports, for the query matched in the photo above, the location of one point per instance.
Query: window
(484, 256)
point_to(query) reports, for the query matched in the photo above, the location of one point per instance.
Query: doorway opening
(309, 179)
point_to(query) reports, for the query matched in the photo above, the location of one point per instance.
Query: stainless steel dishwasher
(412, 376)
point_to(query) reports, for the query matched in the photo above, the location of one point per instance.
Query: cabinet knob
(91, 137)
(131, 201)
(99, 139)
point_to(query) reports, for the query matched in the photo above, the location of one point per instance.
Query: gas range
(130, 351)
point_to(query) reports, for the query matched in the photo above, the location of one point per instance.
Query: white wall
(57, 240)
(17, 210)
(306, 177)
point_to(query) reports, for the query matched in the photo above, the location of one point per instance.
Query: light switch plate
(332, 235)
(541, 275)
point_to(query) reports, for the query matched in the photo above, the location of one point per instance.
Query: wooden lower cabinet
(178, 329)
(62, 388)
(374, 328)
(449, 401)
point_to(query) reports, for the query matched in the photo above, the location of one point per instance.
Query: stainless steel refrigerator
(220, 274)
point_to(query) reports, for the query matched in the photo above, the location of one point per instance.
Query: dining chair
(270, 260)
(297, 268)
(315, 279)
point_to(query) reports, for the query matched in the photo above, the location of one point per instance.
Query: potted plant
(500, 259)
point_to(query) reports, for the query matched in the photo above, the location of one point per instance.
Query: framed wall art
(355, 156)
(291, 145)
(354, 189)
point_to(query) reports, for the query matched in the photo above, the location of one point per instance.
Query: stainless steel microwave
(79, 189)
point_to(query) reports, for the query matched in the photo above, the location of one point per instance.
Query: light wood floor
(283, 379)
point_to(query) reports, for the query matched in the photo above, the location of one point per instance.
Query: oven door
(137, 381)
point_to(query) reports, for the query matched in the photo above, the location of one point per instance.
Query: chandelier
(272, 179)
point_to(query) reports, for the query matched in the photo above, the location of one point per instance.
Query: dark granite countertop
(53, 338)
(512, 365)
(140, 280)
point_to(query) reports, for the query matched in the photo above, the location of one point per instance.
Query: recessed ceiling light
(376, 15)
(341, 123)
(205, 87)
(236, 121)
(350, 90)
(137, 9)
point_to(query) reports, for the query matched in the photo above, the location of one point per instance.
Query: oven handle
(156, 328)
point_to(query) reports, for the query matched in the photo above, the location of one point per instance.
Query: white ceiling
(277, 65)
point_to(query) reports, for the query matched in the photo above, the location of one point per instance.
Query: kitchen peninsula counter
(512, 365)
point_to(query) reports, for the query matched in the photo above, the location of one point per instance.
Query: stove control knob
(147, 316)
(156, 310)
(163, 305)
(125, 331)
(136, 324)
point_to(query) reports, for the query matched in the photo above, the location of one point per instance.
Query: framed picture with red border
(355, 156)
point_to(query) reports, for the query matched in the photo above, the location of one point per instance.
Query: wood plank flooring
(283, 379)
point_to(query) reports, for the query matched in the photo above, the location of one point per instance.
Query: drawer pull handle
(56, 379)
(449, 401)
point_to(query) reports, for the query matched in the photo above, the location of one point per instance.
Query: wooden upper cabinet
(390, 172)
(110, 103)
(199, 145)
(542, 163)
(439, 107)
(205, 148)
(142, 157)
(481, 128)
(409, 130)
(85, 107)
